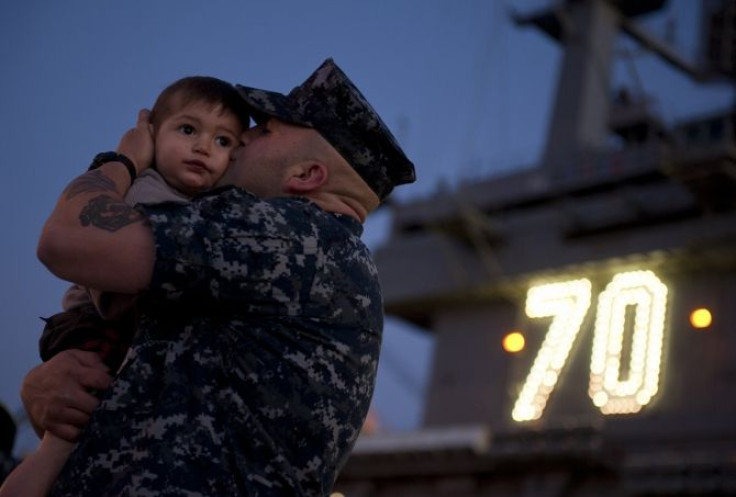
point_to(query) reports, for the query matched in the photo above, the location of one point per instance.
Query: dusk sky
(466, 92)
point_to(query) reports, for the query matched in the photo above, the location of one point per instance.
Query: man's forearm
(94, 238)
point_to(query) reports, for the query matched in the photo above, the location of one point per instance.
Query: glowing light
(615, 388)
(567, 302)
(600, 399)
(701, 318)
(648, 295)
(513, 342)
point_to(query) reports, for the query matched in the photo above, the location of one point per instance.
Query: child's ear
(306, 177)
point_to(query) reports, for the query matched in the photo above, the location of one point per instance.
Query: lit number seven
(568, 302)
(612, 393)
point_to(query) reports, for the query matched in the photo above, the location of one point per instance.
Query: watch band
(105, 157)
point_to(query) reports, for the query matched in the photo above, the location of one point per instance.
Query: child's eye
(223, 141)
(187, 129)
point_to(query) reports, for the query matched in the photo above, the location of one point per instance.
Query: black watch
(105, 157)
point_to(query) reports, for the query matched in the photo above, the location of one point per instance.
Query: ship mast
(580, 127)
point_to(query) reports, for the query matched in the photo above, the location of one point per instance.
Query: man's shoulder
(235, 200)
(238, 195)
(230, 208)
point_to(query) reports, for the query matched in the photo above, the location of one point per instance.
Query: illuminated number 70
(568, 302)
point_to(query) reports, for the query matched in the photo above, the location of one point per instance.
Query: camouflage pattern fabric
(255, 360)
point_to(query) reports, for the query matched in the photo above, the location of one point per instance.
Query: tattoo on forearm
(91, 182)
(109, 214)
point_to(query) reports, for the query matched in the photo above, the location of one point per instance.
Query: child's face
(194, 146)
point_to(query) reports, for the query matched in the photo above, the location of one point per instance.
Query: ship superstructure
(603, 259)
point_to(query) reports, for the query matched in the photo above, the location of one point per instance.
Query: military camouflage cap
(331, 104)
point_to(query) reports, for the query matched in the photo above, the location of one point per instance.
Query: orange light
(513, 342)
(701, 318)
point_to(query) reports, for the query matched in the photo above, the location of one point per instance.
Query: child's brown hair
(207, 89)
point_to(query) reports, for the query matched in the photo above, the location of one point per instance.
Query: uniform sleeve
(189, 242)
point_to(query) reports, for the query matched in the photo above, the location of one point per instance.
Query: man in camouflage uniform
(261, 317)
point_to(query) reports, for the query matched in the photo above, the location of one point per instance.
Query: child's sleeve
(82, 328)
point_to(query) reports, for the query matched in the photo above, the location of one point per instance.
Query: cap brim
(265, 104)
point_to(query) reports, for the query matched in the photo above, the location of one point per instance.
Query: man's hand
(137, 143)
(56, 394)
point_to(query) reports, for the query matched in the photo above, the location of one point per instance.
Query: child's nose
(202, 145)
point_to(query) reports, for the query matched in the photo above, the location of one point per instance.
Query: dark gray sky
(466, 92)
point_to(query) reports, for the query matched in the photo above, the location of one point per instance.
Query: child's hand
(137, 143)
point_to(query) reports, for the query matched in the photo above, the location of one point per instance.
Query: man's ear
(306, 177)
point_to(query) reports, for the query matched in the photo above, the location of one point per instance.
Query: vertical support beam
(580, 116)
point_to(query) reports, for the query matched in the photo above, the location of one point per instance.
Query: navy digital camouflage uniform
(255, 360)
